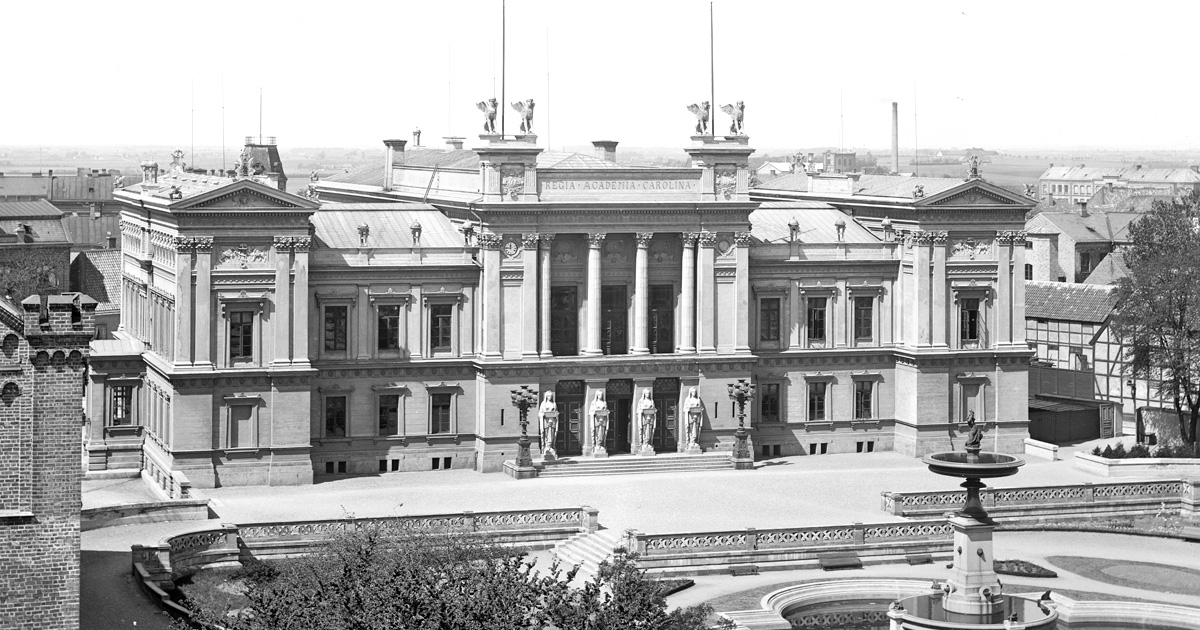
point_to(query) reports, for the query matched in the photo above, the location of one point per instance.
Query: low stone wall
(1029, 505)
(779, 549)
(212, 546)
(150, 512)
(1138, 466)
(1041, 450)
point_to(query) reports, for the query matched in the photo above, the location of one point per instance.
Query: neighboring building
(85, 198)
(1110, 270)
(1068, 246)
(1076, 184)
(97, 274)
(772, 169)
(839, 162)
(35, 255)
(43, 358)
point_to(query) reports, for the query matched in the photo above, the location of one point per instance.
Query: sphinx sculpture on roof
(701, 112)
(488, 108)
(736, 113)
(525, 109)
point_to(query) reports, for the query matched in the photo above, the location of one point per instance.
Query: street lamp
(523, 398)
(740, 392)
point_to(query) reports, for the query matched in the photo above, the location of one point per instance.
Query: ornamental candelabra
(741, 392)
(524, 398)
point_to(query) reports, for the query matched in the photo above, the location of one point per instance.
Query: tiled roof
(336, 225)
(1096, 227)
(1124, 199)
(97, 274)
(38, 209)
(1110, 269)
(817, 220)
(1065, 301)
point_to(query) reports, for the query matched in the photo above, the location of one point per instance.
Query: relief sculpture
(243, 255)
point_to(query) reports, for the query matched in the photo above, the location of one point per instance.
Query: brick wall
(44, 357)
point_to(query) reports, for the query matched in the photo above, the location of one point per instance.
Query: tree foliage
(381, 576)
(1158, 315)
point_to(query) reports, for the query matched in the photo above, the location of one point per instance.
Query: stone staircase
(587, 550)
(632, 465)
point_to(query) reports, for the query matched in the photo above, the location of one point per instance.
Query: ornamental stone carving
(1011, 237)
(725, 181)
(595, 240)
(741, 239)
(243, 255)
(689, 238)
(939, 237)
(547, 240)
(643, 239)
(614, 250)
(921, 237)
(971, 248)
(661, 251)
(530, 241)
(301, 243)
(564, 252)
(512, 180)
(707, 239)
(489, 241)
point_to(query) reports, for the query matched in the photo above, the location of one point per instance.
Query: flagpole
(503, 35)
(712, 74)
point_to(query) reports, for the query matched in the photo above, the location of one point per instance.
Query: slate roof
(42, 230)
(1128, 173)
(97, 274)
(336, 225)
(363, 175)
(190, 184)
(817, 220)
(462, 159)
(1110, 269)
(24, 186)
(895, 186)
(1066, 301)
(38, 209)
(1096, 227)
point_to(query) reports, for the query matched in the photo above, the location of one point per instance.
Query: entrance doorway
(620, 414)
(569, 397)
(662, 319)
(564, 321)
(666, 400)
(614, 319)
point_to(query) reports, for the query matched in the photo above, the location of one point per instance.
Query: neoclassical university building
(379, 322)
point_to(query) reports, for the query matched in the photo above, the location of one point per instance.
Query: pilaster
(741, 331)
(1004, 270)
(184, 251)
(283, 301)
(204, 308)
(300, 249)
(687, 335)
(492, 307)
(1018, 289)
(547, 244)
(529, 296)
(940, 314)
(706, 300)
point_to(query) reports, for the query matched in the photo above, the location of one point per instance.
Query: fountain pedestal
(974, 590)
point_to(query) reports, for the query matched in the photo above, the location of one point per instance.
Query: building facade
(1076, 184)
(268, 338)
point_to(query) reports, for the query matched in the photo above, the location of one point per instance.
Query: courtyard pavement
(780, 492)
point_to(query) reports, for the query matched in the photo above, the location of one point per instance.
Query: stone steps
(632, 465)
(587, 550)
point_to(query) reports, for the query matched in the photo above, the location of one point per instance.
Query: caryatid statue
(693, 409)
(599, 413)
(647, 414)
(548, 423)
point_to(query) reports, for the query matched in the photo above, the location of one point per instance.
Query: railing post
(989, 498)
(469, 520)
(635, 542)
(859, 534)
(751, 539)
(589, 519)
(1089, 492)
(1189, 500)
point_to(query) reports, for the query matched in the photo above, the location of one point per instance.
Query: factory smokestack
(895, 138)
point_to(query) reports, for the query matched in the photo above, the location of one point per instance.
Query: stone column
(706, 300)
(1018, 289)
(529, 296)
(595, 242)
(204, 309)
(687, 299)
(794, 317)
(467, 324)
(490, 244)
(923, 274)
(1004, 278)
(283, 301)
(641, 293)
(940, 314)
(183, 301)
(300, 247)
(741, 336)
(544, 310)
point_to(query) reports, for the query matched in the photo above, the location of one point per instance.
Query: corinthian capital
(596, 239)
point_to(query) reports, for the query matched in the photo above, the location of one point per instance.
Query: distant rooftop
(1066, 301)
(894, 186)
(463, 160)
(1127, 173)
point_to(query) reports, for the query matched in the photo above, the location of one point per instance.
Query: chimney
(606, 149)
(50, 173)
(454, 143)
(393, 147)
(111, 240)
(1137, 167)
(81, 171)
(1083, 209)
(23, 233)
(895, 137)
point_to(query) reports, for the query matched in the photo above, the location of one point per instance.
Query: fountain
(973, 596)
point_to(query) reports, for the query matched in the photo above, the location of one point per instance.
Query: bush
(1139, 450)
(1022, 568)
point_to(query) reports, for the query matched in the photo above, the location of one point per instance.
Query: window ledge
(443, 438)
(15, 515)
(402, 440)
(249, 451)
(332, 440)
(819, 425)
(858, 423)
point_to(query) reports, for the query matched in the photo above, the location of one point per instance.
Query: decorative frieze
(725, 182)
(707, 239)
(971, 248)
(489, 241)
(530, 241)
(243, 256)
(741, 239)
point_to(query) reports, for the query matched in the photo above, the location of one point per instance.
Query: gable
(245, 194)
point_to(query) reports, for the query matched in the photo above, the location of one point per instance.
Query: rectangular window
(439, 413)
(122, 406)
(1085, 262)
(768, 319)
(389, 327)
(816, 400)
(389, 414)
(864, 318)
(816, 319)
(1028, 271)
(862, 399)
(335, 327)
(335, 416)
(768, 408)
(440, 319)
(969, 332)
(241, 336)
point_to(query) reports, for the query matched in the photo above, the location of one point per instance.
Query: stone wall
(41, 374)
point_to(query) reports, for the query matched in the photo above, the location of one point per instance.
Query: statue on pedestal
(488, 108)
(647, 414)
(526, 111)
(548, 423)
(736, 114)
(693, 409)
(701, 112)
(974, 434)
(599, 413)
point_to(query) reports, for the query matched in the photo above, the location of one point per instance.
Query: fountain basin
(973, 465)
(926, 612)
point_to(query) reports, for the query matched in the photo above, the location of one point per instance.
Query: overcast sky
(997, 74)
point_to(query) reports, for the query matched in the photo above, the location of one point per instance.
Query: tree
(381, 576)
(1157, 317)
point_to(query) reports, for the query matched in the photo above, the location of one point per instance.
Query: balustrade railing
(1044, 499)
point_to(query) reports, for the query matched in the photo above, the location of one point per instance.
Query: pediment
(978, 193)
(247, 195)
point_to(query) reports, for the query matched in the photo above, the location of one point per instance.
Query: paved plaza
(781, 492)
